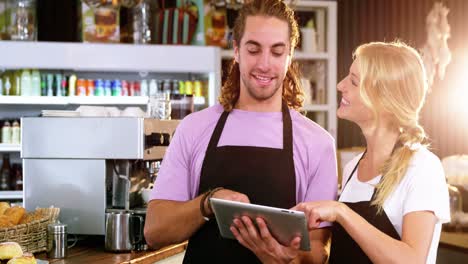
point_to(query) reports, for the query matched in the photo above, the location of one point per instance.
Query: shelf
(108, 100)
(316, 108)
(298, 55)
(33, 100)
(74, 100)
(81, 100)
(108, 57)
(4, 195)
(10, 147)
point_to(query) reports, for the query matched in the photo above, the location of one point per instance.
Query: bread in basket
(29, 230)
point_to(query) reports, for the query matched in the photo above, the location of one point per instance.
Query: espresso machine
(93, 169)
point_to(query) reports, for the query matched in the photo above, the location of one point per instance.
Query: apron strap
(353, 171)
(217, 132)
(352, 174)
(287, 130)
(397, 145)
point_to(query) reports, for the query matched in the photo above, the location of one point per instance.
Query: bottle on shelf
(197, 88)
(135, 88)
(58, 85)
(43, 85)
(50, 85)
(90, 87)
(181, 87)
(125, 88)
(175, 87)
(116, 88)
(63, 86)
(153, 88)
(308, 37)
(99, 87)
(7, 86)
(107, 88)
(16, 177)
(15, 133)
(5, 173)
(167, 87)
(16, 83)
(188, 87)
(72, 85)
(26, 85)
(144, 88)
(6, 133)
(35, 83)
(81, 87)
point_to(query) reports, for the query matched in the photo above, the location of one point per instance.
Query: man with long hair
(252, 147)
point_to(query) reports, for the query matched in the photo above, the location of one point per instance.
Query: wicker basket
(32, 237)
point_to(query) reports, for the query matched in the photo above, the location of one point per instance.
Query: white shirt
(423, 188)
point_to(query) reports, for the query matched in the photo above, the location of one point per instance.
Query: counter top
(90, 251)
(455, 239)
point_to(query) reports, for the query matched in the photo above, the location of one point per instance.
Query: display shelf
(113, 58)
(33, 100)
(108, 100)
(74, 100)
(108, 57)
(80, 100)
(10, 147)
(6, 195)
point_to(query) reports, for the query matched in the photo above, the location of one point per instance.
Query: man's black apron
(265, 175)
(343, 248)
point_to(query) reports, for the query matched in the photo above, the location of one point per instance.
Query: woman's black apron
(343, 248)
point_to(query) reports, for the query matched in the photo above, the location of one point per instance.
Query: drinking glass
(160, 106)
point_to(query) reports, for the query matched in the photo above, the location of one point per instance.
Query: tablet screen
(283, 224)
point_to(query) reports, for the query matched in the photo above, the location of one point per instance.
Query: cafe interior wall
(445, 114)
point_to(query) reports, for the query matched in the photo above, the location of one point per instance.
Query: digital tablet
(283, 224)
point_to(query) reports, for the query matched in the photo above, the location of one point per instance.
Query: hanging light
(435, 52)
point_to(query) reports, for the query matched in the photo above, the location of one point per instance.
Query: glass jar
(142, 23)
(160, 106)
(22, 20)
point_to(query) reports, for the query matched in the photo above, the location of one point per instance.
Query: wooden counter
(458, 240)
(92, 251)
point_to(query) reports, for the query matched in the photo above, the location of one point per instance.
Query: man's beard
(260, 96)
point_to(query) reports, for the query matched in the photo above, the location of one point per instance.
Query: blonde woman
(394, 197)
